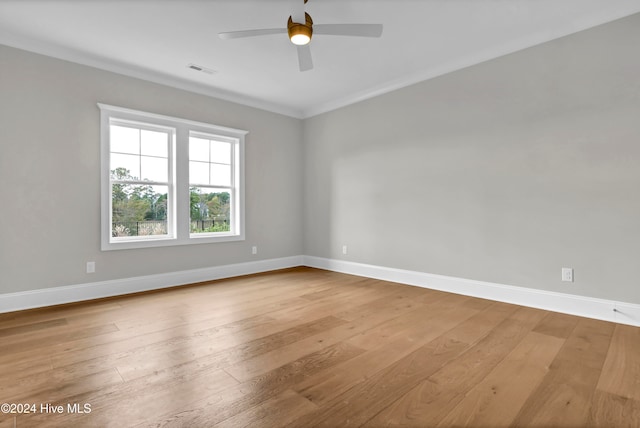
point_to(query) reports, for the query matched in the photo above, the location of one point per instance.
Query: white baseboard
(95, 290)
(607, 310)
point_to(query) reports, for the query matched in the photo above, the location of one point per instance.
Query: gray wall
(503, 172)
(50, 175)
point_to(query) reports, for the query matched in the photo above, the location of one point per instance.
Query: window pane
(125, 167)
(220, 152)
(220, 174)
(124, 139)
(198, 149)
(138, 210)
(198, 173)
(154, 143)
(210, 210)
(154, 169)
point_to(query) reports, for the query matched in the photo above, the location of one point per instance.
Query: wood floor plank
(621, 371)
(41, 344)
(400, 301)
(30, 316)
(352, 408)
(343, 300)
(565, 394)
(328, 384)
(482, 323)
(610, 410)
(172, 348)
(171, 395)
(275, 412)
(304, 347)
(16, 386)
(431, 399)
(282, 302)
(257, 366)
(14, 371)
(140, 358)
(137, 401)
(61, 334)
(496, 400)
(8, 421)
(128, 340)
(558, 325)
(30, 328)
(123, 341)
(442, 310)
(59, 390)
(230, 355)
(246, 395)
(332, 290)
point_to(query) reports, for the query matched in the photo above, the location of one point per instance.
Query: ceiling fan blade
(358, 30)
(251, 33)
(297, 12)
(304, 58)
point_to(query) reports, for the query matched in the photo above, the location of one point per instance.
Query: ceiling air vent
(201, 68)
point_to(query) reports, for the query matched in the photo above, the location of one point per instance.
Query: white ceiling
(156, 39)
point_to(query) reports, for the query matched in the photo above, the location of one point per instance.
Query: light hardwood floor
(306, 347)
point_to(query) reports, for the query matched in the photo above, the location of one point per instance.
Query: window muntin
(169, 181)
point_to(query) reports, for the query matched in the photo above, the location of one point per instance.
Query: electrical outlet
(344, 249)
(567, 274)
(254, 250)
(91, 267)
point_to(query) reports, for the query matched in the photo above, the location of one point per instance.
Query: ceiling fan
(300, 28)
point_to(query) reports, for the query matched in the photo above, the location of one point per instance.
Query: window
(212, 183)
(139, 171)
(169, 181)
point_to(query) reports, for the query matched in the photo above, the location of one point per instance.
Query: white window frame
(179, 232)
(232, 188)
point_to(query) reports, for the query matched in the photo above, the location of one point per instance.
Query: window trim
(178, 179)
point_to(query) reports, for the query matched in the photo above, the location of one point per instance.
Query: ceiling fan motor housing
(300, 34)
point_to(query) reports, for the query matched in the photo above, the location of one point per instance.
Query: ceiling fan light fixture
(300, 34)
(300, 38)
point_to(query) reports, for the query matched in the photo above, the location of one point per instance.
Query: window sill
(169, 242)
